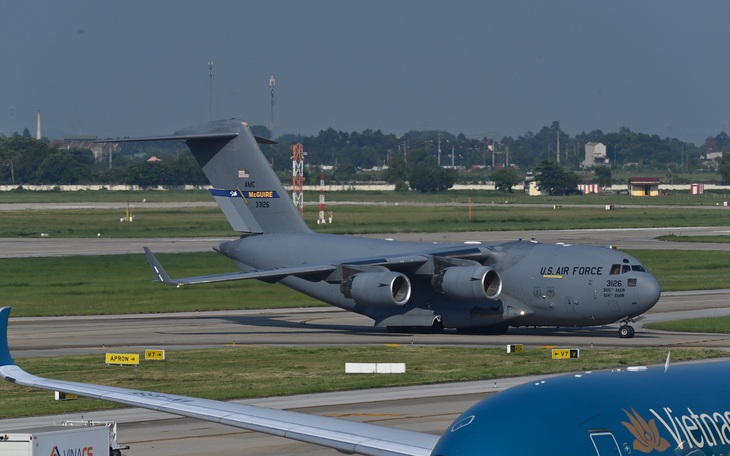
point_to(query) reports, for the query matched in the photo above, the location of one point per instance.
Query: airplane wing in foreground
(343, 435)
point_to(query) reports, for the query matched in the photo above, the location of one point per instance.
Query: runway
(53, 336)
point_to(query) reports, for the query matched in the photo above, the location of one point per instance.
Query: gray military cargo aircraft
(405, 286)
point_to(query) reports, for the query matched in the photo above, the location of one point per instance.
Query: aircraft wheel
(626, 332)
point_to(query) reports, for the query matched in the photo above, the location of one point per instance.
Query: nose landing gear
(626, 331)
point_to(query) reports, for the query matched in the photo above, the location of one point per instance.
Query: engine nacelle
(382, 289)
(471, 283)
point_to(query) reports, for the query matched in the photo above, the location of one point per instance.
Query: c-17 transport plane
(405, 286)
(678, 410)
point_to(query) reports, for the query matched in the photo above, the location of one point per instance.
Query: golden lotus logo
(646, 433)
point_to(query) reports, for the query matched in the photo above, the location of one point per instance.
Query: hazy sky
(129, 68)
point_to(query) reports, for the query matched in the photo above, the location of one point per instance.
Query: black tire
(626, 332)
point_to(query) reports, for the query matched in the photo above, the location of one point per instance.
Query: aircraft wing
(311, 271)
(161, 275)
(343, 435)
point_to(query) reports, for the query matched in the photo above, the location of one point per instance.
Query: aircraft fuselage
(542, 284)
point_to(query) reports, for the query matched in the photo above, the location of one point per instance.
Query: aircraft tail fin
(245, 187)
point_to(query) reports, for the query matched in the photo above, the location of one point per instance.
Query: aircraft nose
(650, 291)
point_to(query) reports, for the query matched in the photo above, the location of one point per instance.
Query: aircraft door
(605, 443)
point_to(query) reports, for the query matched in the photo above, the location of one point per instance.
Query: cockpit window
(624, 268)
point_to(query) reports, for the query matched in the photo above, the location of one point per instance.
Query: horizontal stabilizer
(197, 137)
(203, 136)
(161, 276)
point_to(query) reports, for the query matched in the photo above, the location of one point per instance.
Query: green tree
(724, 168)
(63, 168)
(147, 174)
(555, 180)
(603, 175)
(505, 178)
(20, 157)
(397, 173)
(425, 176)
(185, 170)
(345, 170)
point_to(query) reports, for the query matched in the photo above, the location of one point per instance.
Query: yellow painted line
(363, 414)
(392, 345)
(552, 276)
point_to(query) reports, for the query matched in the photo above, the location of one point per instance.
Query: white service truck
(79, 438)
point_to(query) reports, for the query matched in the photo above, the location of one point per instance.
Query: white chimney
(38, 126)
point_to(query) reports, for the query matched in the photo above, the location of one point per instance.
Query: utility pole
(272, 84)
(210, 88)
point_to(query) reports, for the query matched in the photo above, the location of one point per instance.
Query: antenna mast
(297, 177)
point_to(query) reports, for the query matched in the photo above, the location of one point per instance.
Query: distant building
(81, 142)
(644, 186)
(712, 160)
(595, 155)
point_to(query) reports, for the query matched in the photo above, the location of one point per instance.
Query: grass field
(673, 198)
(353, 219)
(262, 371)
(122, 284)
(719, 325)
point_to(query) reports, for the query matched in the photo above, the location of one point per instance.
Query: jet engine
(382, 289)
(471, 283)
